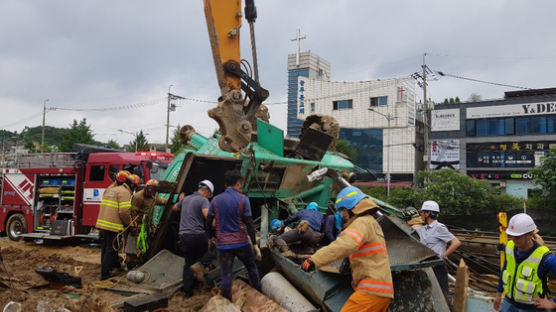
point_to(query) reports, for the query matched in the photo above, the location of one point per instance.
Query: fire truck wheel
(16, 226)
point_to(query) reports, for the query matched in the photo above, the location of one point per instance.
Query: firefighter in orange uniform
(113, 217)
(363, 241)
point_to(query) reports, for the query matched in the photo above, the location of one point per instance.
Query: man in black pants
(231, 211)
(193, 238)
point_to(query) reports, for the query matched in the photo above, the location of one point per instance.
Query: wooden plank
(462, 282)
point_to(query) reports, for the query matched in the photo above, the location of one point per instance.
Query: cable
(481, 81)
(122, 107)
(21, 120)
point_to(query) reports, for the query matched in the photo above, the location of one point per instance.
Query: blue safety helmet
(312, 206)
(349, 197)
(275, 225)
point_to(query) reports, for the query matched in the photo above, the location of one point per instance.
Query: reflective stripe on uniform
(111, 225)
(109, 203)
(369, 249)
(373, 285)
(355, 235)
(125, 204)
(509, 251)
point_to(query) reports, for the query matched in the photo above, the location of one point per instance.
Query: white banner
(527, 109)
(445, 120)
(444, 154)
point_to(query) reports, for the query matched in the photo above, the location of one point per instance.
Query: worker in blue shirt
(231, 212)
(524, 276)
(332, 226)
(307, 231)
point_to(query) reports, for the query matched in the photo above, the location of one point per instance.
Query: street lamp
(389, 118)
(43, 118)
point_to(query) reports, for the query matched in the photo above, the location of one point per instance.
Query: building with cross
(377, 117)
(498, 140)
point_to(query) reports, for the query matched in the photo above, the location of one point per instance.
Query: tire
(16, 226)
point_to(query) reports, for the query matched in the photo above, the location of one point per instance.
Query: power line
(481, 81)
(22, 120)
(495, 56)
(104, 109)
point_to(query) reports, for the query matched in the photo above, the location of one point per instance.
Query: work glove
(308, 265)
(257, 252)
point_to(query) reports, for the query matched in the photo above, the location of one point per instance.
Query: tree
(345, 148)
(545, 176)
(140, 143)
(176, 145)
(79, 132)
(113, 144)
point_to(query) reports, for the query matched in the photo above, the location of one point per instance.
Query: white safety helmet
(520, 224)
(208, 184)
(430, 205)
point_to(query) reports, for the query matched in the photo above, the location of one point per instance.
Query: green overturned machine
(281, 177)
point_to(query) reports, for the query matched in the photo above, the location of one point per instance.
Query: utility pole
(43, 119)
(426, 115)
(168, 118)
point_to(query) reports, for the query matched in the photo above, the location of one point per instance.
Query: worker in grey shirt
(436, 236)
(193, 238)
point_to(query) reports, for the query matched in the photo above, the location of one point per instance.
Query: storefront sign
(500, 175)
(528, 109)
(444, 154)
(445, 120)
(507, 154)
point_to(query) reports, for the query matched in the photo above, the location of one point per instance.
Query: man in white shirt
(436, 236)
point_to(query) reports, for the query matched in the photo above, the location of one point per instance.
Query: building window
(551, 124)
(312, 107)
(509, 125)
(530, 125)
(344, 104)
(470, 128)
(97, 173)
(379, 101)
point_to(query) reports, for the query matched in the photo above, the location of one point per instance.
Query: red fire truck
(57, 195)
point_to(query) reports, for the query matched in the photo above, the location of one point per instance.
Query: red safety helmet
(151, 182)
(122, 175)
(134, 179)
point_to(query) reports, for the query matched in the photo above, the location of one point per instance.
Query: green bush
(504, 202)
(457, 194)
(378, 192)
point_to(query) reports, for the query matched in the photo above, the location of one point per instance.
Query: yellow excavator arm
(234, 114)
(223, 22)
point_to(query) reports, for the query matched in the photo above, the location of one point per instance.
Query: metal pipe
(277, 287)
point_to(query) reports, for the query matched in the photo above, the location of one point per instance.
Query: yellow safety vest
(522, 282)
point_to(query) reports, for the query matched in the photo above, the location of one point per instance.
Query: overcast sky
(126, 53)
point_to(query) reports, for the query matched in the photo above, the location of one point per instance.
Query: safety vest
(522, 282)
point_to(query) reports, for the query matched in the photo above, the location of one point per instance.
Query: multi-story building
(499, 140)
(307, 65)
(384, 136)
